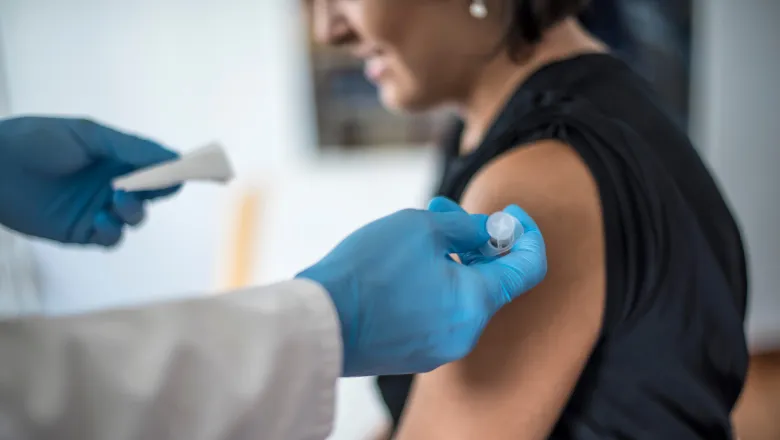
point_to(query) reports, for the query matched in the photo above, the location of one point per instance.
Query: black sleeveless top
(671, 359)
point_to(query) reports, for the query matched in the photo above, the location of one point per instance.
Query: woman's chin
(390, 99)
(398, 102)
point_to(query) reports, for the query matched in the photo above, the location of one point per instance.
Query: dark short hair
(528, 19)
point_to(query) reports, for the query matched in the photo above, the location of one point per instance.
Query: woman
(637, 331)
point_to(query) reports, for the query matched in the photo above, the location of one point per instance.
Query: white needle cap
(503, 229)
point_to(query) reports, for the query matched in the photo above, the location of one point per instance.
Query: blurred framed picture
(349, 113)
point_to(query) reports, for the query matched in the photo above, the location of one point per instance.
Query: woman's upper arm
(526, 364)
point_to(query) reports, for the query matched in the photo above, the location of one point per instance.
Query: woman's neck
(496, 83)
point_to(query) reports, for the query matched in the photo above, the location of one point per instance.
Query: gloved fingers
(106, 143)
(473, 257)
(443, 204)
(517, 212)
(96, 223)
(128, 207)
(107, 229)
(458, 232)
(529, 253)
(140, 153)
(522, 269)
(81, 204)
(529, 226)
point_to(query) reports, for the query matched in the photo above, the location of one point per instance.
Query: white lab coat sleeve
(258, 364)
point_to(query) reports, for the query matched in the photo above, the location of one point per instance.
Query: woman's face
(419, 53)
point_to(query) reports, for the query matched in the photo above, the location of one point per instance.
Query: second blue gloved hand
(55, 179)
(404, 305)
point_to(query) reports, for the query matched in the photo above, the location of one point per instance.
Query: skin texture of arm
(516, 382)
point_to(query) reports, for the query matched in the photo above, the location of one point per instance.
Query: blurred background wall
(736, 101)
(186, 72)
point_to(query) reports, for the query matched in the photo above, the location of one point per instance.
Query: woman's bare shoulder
(526, 364)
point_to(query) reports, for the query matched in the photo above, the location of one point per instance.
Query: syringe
(504, 229)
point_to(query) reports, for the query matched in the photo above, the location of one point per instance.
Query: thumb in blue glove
(55, 179)
(510, 283)
(404, 305)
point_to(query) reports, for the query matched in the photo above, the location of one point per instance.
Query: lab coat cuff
(326, 331)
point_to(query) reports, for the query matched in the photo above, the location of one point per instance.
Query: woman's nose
(329, 25)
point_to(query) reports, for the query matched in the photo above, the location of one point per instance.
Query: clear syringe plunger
(504, 229)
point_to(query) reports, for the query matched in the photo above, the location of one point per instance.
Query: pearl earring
(478, 9)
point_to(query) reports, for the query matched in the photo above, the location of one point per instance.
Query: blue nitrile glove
(55, 179)
(405, 306)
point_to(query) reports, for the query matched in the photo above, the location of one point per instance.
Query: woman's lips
(375, 69)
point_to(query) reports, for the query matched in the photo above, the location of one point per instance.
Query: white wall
(185, 72)
(737, 100)
(4, 104)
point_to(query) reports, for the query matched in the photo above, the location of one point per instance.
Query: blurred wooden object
(242, 262)
(757, 415)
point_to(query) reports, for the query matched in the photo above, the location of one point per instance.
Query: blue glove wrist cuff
(345, 300)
